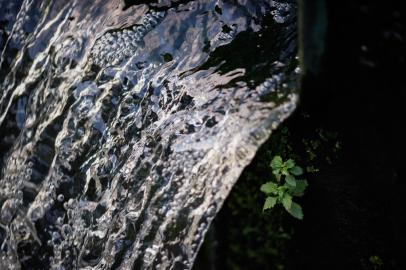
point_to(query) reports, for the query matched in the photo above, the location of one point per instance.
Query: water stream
(124, 126)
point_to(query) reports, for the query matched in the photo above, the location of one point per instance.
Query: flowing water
(124, 125)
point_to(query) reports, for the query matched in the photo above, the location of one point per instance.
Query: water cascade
(123, 127)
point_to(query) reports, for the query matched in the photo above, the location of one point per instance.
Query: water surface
(124, 126)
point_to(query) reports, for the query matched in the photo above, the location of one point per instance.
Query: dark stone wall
(356, 208)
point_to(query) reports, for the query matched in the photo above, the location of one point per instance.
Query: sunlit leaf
(269, 203)
(276, 162)
(287, 201)
(269, 188)
(285, 171)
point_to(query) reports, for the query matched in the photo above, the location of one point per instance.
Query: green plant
(376, 262)
(285, 186)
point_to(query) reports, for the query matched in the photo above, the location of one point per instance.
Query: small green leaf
(269, 188)
(296, 210)
(276, 162)
(290, 180)
(269, 203)
(296, 170)
(281, 193)
(290, 163)
(285, 171)
(301, 186)
(287, 201)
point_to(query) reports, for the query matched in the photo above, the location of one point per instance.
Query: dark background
(357, 206)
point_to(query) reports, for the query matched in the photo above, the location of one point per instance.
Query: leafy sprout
(285, 187)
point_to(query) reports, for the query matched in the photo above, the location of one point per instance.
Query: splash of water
(124, 127)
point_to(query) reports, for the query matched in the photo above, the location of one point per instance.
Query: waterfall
(123, 127)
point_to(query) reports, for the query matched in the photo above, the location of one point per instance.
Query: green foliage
(284, 186)
(376, 262)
